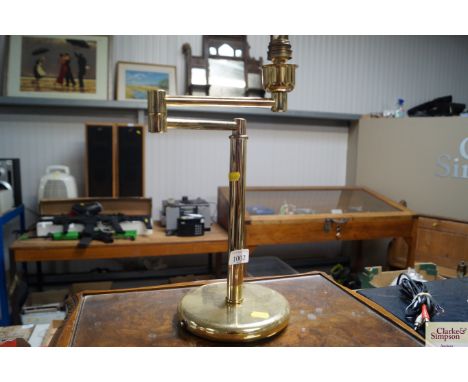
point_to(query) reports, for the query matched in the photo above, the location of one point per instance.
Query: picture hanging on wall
(134, 80)
(58, 67)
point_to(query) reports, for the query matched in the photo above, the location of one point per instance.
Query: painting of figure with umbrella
(63, 66)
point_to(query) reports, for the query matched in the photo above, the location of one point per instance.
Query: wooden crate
(127, 206)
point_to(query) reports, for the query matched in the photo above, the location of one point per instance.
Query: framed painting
(134, 80)
(58, 67)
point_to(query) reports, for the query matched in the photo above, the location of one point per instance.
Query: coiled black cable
(417, 294)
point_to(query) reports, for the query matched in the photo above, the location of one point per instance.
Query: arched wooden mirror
(225, 69)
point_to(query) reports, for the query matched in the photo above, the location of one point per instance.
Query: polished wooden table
(323, 313)
(320, 214)
(156, 244)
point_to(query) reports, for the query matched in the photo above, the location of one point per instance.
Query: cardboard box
(47, 306)
(448, 273)
(50, 298)
(16, 331)
(374, 277)
(42, 317)
(31, 334)
(54, 326)
(99, 285)
(44, 307)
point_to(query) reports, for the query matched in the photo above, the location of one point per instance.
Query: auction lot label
(238, 256)
(447, 334)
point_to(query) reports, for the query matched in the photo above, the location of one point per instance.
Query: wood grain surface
(322, 314)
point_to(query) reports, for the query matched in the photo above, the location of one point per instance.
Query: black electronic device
(174, 212)
(115, 160)
(191, 225)
(100, 155)
(130, 166)
(10, 173)
(438, 107)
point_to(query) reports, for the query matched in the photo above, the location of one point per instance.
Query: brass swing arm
(278, 78)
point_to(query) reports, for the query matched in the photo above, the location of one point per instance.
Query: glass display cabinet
(286, 215)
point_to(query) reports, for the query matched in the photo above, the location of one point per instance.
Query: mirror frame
(251, 65)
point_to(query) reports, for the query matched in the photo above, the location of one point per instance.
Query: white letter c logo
(464, 148)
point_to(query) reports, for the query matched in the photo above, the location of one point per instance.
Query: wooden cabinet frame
(288, 229)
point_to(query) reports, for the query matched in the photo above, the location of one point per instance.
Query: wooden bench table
(156, 244)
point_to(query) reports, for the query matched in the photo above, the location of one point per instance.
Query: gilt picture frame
(74, 67)
(134, 80)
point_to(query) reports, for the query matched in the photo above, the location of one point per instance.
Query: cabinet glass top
(313, 201)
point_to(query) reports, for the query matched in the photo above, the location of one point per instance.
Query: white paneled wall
(353, 74)
(182, 162)
(276, 156)
(362, 74)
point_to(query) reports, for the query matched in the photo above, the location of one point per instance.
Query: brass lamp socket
(279, 79)
(279, 49)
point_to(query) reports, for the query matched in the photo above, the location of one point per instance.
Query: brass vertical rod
(238, 153)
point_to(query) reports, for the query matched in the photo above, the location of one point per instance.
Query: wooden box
(127, 206)
(375, 277)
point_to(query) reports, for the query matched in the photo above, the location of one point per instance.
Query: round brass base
(263, 313)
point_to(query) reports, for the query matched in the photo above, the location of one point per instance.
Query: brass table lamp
(231, 310)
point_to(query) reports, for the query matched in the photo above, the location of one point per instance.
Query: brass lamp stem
(237, 160)
(236, 209)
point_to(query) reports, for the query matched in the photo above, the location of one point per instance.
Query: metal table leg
(39, 276)
(4, 306)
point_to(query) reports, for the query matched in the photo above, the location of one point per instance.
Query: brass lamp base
(262, 314)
